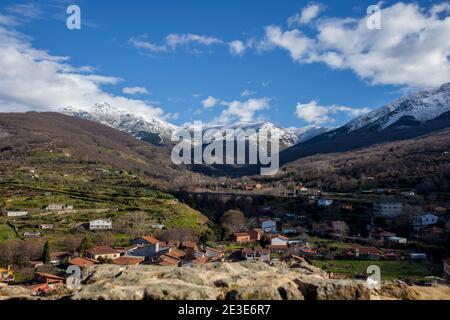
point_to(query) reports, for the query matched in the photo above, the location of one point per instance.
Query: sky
(291, 62)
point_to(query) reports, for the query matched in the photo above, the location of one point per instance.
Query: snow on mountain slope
(148, 129)
(249, 131)
(421, 106)
(132, 124)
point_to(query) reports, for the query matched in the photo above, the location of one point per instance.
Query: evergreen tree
(85, 244)
(46, 254)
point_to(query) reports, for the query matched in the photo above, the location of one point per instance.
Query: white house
(100, 224)
(279, 240)
(269, 225)
(408, 194)
(17, 213)
(157, 226)
(324, 202)
(46, 226)
(425, 220)
(398, 240)
(54, 206)
(387, 209)
(213, 253)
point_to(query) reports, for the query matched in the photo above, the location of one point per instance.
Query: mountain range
(159, 132)
(411, 116)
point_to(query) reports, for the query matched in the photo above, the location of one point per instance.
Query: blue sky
(276, 76)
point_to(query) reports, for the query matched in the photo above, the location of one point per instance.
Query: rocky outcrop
(241, 281)
(291, 280)
(15, 292)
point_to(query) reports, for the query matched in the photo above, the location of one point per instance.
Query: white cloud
(172, 41)
(210, 102)
(307, 14)
(237, 47)
(299, 46)
(411, 49)
(242, 111)
(312, 112)
(142, 43)
(247, 93)
(135, 90)
(32, 79)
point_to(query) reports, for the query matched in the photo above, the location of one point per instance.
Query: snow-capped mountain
(412, 116)
(159, 131)
(249, 131)
(419, 107)
(152, 130)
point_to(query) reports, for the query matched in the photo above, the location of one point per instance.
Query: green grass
(390, 270)
(6, 232)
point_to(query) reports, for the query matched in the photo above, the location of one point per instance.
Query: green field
(389, 269)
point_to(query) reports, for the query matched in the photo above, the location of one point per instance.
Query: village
(332, 244)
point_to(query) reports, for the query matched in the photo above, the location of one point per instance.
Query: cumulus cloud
(299, 45)
(411, 49)
(210, 102)
(307, 14)
(237, 47)
(32, 79)
(312, 112)
(242, 111)
(135, 90)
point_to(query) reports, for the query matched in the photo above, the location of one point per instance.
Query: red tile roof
(127, 261)
(152, 240)
(82, 262)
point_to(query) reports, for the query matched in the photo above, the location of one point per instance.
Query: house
(46, 226)
(45, 282)
(408, 194)
(256, 234)
(148, 240)
(380, 234)
(387, 209)
(279, 240)
(157, 226)
(418, 256)
(425, 220)
(397, 240)
(392, 256)
(16, 214)
(102, 253)
(256, 254)
(82, 262)
(57, 258)
(269, 225)
(212, 253)
(307, 252)
(168, 260)
(280, 248)
(446, 265)
(189, 246)
(54, 207)
(31, 234)
(128, 261)
(100, 224)
(289, 230)
(364, 252)
(6, 275)
(324, 202)
(240, 237)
